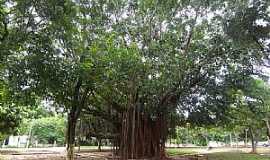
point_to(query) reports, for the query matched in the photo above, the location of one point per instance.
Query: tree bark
(231, 142)
(71, 129)
(99, 144)
(246, 137)
(74, 113)
(149, 136)
(268, 129)
(133, 133)
(254, 145)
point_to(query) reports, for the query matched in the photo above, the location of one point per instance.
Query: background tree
(54, 57)
(248, 110)
(10, 113)
(49, 130)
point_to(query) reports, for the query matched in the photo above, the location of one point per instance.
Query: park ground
(90, 153)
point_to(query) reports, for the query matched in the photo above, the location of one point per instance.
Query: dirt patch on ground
(81, 156)
(56, 156)
(59, 154)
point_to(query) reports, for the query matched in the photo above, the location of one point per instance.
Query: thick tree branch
(5, 24)
(105, 116)
(186, 47)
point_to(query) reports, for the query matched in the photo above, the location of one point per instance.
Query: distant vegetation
(47, 130)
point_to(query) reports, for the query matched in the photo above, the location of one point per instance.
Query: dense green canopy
(133, 62)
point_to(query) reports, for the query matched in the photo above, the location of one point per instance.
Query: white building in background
(216, 144)
(15, 141)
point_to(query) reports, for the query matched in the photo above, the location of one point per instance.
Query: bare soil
(56, 156)
(82, 156)
(59, 154)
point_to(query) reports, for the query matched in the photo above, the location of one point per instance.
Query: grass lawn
(182, 151)
(218, 154)
(236, 156)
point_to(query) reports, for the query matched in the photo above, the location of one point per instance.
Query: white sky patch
(262, 22)
(49, 106)
(250, 3)
(158, 75)
(143, 59)
(10, 4)
(25, 87)
(186, 114)
(27, 71)
(250, 99)
(47, 103)
(218, 80)
(266, 72)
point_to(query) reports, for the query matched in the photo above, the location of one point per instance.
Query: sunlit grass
(181, 151)
(221, 154)
(236, 156)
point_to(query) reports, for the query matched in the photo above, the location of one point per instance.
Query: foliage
(136, 62)
(54, 59)
(249, 25)
(48, 130)
(250, 104)
(10, 113)
(200, 136)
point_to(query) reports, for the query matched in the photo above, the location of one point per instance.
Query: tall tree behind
(53, 60)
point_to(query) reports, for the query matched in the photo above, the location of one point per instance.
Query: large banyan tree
(137, 64)
(171, 60)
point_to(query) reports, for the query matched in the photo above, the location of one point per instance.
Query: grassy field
(221, 153)
(182, 151)
(236, 156)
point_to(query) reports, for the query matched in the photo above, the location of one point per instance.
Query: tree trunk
(29, 137)
(74, 113)
(246, 138)
(70, 140)
(231, 142)
(268, 129)
(99, 144)
(133, 133)
(141, 136)
(254, 145)
(79, 144)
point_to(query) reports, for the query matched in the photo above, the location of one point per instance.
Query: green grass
(221, 155)
(236, 156)
(182, 151)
